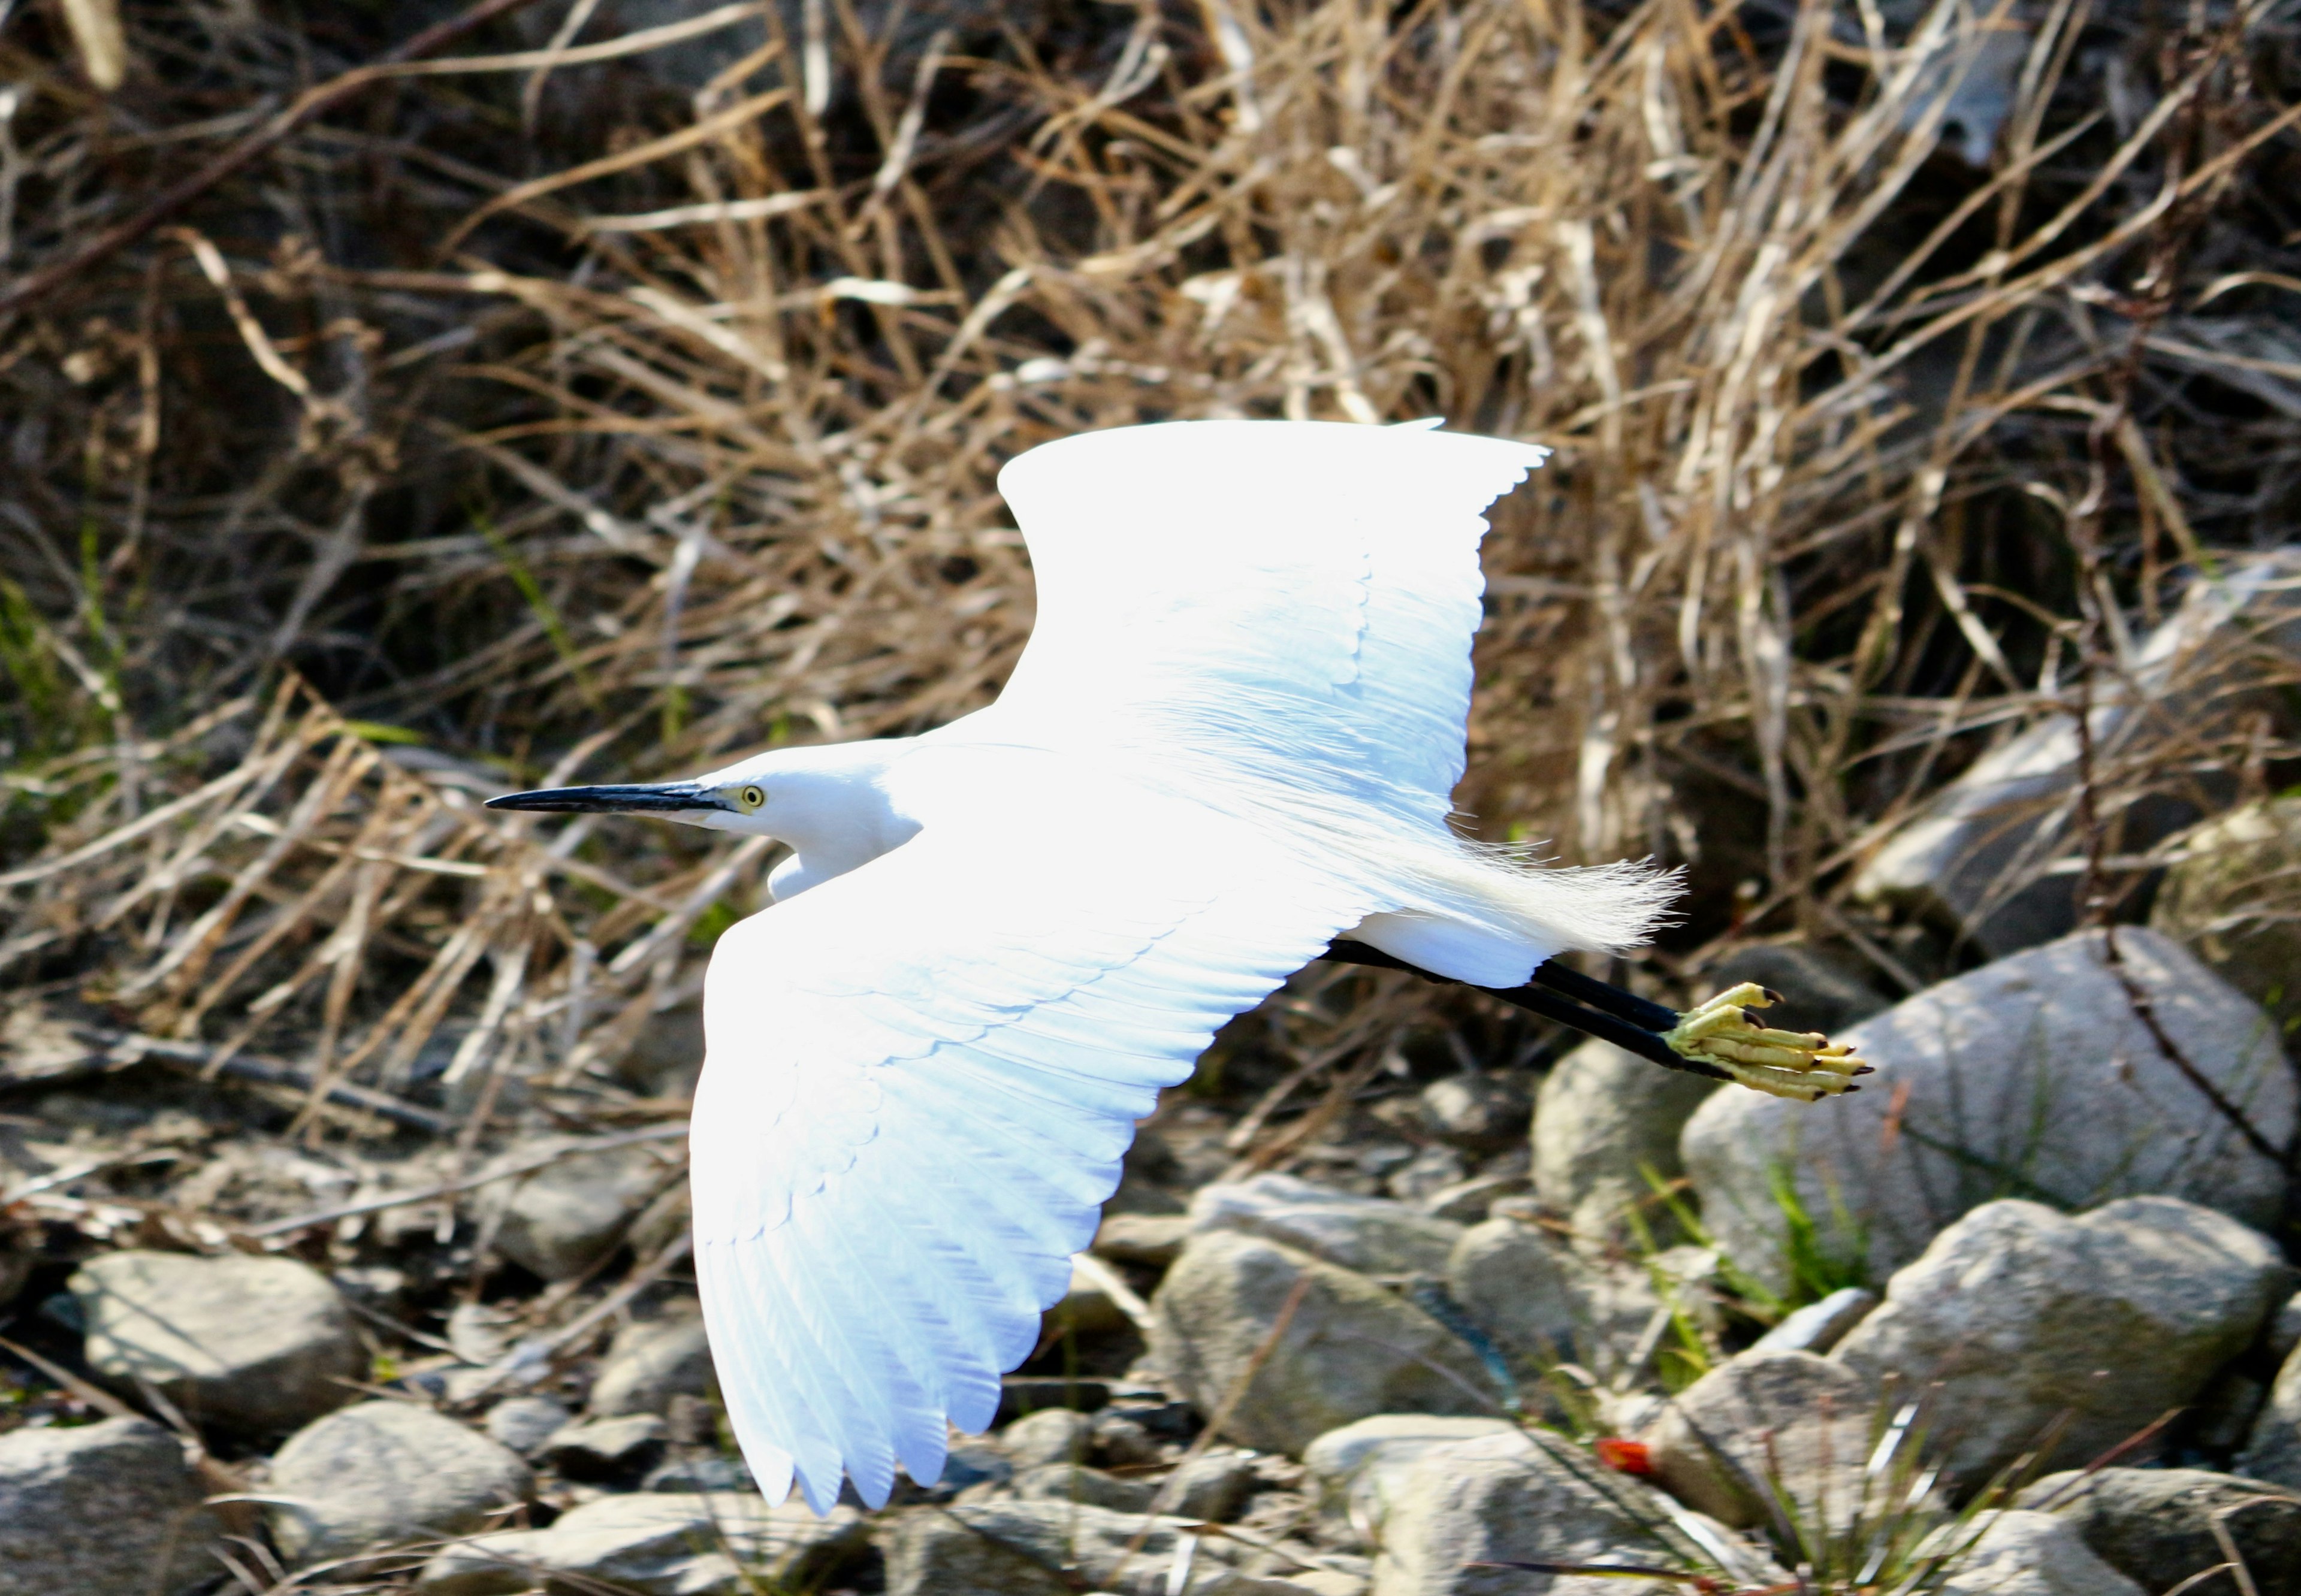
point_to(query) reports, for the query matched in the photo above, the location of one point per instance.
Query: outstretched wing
(1292, 601)
(922, 1076)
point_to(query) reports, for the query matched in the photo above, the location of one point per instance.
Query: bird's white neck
(831, 804)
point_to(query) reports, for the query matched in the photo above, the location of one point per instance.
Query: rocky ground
(2013, 1322)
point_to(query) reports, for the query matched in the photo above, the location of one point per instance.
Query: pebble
(659, 1544)
(99, 1509)
(1764, 1423)
(1214, 1486)
(382, 1474)
(1480, 1113)
(1076, 1482)
(606, 1449)
(1011, 1548)
(1153, 1238)
(1349, 1350)
(248, 1344)
(523, 1424)
(1818, 1326)
(2018, 1314)
(1050, 1435)
(1601, 1120)
(651, 1362)
(566, 1216)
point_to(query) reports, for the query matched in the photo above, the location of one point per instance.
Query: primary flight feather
(1233, 737)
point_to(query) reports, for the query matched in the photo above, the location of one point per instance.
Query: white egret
(1233, 739)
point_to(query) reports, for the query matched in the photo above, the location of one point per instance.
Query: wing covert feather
(921, 1077)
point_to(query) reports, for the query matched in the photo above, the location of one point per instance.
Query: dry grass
(533, 420)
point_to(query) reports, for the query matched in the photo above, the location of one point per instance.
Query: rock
(99, 1509)
(2272, 1452)
(1153, 1238)
(650, 1363)
(2154, 1525)
(1483, 1112)
(973, 1463)
(1050, 1435)
(1432, 1169)
(1335, 1461)
(1540, 1305)
(1075, 1482)
(1009, 1547)
(566, 1216)
(1823, 990)
(1763, 1422)
(1471, 1202)
(2031, 1076)
(1349, 1349)
(2284, 1331)
(1520, 1497)
(1602, 1118)
(2018, 1553)
(2017, 1314)
(1088, 1307)
(1120, 1440)
(657, 1544)
(383, 1474)
(250, 1344)
(2000, 821)
(2229, 898)
(607, 1449)
(1818, 1326)
(693, 1474)
(1370, 1234)
(1213, 1486)
(523, 1424)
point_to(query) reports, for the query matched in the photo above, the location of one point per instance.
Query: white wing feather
(1292, 602)
(922, 1075)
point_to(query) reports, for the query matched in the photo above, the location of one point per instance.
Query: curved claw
(1803, 1065)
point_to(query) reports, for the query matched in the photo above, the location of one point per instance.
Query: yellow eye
(750, 798)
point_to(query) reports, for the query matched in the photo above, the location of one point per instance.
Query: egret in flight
(1232, 739)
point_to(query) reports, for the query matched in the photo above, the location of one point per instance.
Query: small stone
(1335, 1461)
(2019, 1314)
(377, 1286)
(2035, 1069)
(657, 1544)
(253, 1344)
(2227, 897)
(2284, 1331)
(1542, 1305)
(1370, 1234)
(1011, 1548)
(2272, 1452)
(382, 1474)
(2018, 1553)
(523, 1424)
(1153, 1238)
(1087, 1307)
(1790, 1423)
(1348, 1350)
(2155, 1525)
(1818, 1326)
(1075, 1482)
(1603, 1119)
(651, 1362)
(1050, 1435)
(1481, 1113)
(102, 1507)
(607, 1449)
(692, 1475)
(1427, 1171)
(478, 1333)
(566, 1216)
(1471, 1201)
(1213, 1486)
(1119, 1440)
(973, 1463)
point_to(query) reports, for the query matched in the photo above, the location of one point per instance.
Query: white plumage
(1234, 736)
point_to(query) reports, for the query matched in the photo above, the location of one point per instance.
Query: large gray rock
(1431, 1519)
(2272, 1452)
(566, 1216)
(1602, 1120)
(251, 1344)
(650, 1363)
(2018, 1314)
(1009, 1547)
(1350, 1349)
(1338, 1461)
(2018, 1553)
(1768, 1425)
(103, 1509)
(2155, 1525)
(2030, 1077)
(657, 1543)
(1370, 1234)
(384, 1474)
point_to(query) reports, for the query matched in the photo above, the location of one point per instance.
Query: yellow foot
(1803, 1065)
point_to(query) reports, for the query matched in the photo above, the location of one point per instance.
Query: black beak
(659, 798)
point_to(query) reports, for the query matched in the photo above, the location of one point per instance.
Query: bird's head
(740, 798)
